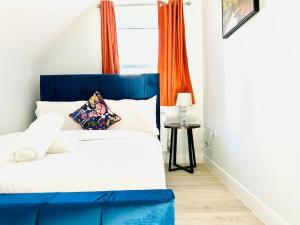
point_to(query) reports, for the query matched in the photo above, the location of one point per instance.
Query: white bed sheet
(103, 161)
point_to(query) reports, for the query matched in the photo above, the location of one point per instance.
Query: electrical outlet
(210, 135)
(214, 134)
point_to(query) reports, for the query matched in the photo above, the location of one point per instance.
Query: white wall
(27, 27)
(78, 50)
(19, 89)
(252, 100)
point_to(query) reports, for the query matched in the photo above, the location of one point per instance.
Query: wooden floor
(201, 199)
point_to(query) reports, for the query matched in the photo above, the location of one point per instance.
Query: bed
(114, 177)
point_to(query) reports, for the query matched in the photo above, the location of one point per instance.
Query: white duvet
(103, 160)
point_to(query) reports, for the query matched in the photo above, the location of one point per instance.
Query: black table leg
(190, 150)
(193, 148)
(171, 149)
(175, 148)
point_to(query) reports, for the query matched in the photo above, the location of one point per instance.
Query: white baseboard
(259, 208)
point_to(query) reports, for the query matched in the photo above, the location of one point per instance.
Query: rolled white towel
(25, 155)
(34, 143)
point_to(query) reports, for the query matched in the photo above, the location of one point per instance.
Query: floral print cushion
(95, 114)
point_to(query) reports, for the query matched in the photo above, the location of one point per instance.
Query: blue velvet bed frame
(115, 87)
(144, 207)
(151, 207)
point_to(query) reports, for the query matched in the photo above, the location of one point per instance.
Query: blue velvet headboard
(116, 87)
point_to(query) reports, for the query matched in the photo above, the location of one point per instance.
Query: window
(137, 29)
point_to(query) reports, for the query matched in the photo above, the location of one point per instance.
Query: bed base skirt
(146, 207)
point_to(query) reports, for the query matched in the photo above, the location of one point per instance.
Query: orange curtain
(110, 55)
(172, 60)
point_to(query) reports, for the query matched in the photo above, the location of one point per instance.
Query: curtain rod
(188, 2)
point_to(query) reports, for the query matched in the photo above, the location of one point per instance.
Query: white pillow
(139, 115)
(65, 141)
(34, 143)
(63, 108)
(147, 108)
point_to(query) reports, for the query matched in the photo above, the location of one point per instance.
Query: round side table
(173, 150)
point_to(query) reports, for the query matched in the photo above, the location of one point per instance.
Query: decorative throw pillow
(95, 114)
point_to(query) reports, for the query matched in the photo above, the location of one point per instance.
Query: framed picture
(236, 13)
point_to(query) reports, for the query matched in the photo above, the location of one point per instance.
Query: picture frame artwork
(235, 13)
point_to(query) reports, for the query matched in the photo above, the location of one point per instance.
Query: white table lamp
(184, 100)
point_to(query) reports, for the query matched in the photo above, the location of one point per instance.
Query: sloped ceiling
(28, 27)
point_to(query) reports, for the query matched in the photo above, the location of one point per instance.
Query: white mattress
(104, 160)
